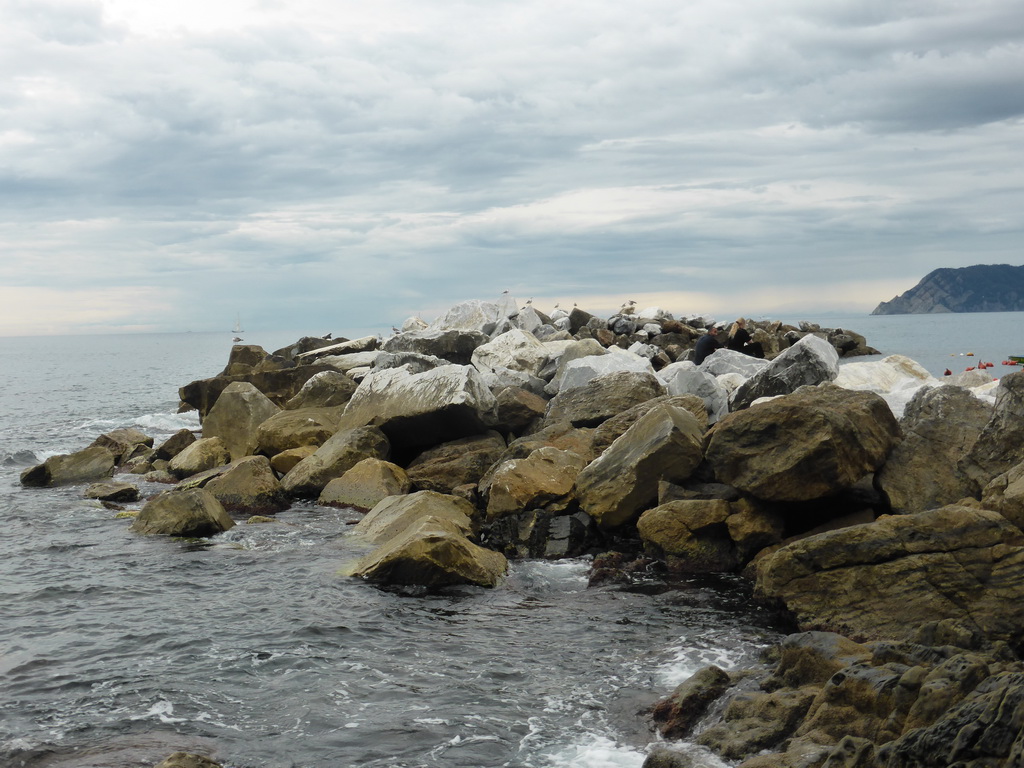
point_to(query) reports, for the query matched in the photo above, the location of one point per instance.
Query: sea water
(117, 649)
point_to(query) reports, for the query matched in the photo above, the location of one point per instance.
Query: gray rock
(85, 466)
(603, 397)
(334, 458)
(191, 513)
(810, 361)
(236, 417)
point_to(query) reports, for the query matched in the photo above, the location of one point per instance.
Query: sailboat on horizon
(238, 325)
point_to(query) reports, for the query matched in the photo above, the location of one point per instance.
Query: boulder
(515, 350)
(295, 428)
(187, 760)
(123, 443)
(285, 461)
(432, 552)
(350, 364)
(537, 533)
(476, 315)
(887, 578)
(366, 485)
(730, 361)
(582, 370)
(693, 535)
(807, 445)
(393, 514)
(423, 409)
(278, 385)
(326, 389)
(85, 466)
(609, 431)
(1005, 495)
(458, 462)
(334, 458)
(603, 397)
(191, 513)
(543, 480)
(808, 362)
(677, 714)
(1000, 446)
(112, 492)
(249, 485)
(236, 417)
(665, 444)
(174, 444)
(684, 378)
(451, 344)
(203, 454)
(940, 426)
(518, 409)
(561, 353)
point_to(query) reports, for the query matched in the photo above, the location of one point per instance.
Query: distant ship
(238, 325)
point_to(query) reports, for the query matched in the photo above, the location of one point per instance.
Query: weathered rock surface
(458, 462)
(365, 485)
(684, 378)
(678, 713)
(807, 445)
(451, 344)
(1001, 444)
(187, 760)
(394, 514)
(692, 533)
(327, 389)
(665, 444)
(515, 350)
(236, 417)
(191, 513)
(811, 360)
(279, 386)
(423, 409)
(174, 444)
(289, 429)
(609, 431)
(885, 579)
(518, 409)
(543, 480)
(123, 443)
(249, 485)
(334, 458)
(199, 456)
(940, 426)
(113, 492)
(432, 552)
(85, 466)
(603, 397)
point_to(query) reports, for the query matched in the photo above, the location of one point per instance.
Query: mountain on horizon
(981, 288)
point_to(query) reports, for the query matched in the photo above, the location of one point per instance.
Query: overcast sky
(329, 165)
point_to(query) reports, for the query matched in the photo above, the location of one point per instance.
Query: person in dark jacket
(706, 345)
(739, 340)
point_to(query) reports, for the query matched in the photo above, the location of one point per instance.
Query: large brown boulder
(603, 397)
(807, 445)
(432, 552)
(236, 417)
(289, 429)
(334, 458)
(940, 426)
(543, 480)
(391, 515)
(85, 466)
(445, 467)
(693, 533)
(885, 579)
(1005, 495)
(205, 453)
(610, 430)
(123, 442)
(416, 410)
(249, 485)
(365, 485)
(192, 513)
(665, 444)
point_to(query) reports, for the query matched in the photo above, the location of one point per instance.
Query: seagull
(504, 292)
(237, 338)
(327, 336)
(394, 330)
(556, 306)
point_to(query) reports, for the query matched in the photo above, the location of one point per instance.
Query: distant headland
(981, 288)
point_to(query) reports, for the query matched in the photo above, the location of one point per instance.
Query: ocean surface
(118, 649)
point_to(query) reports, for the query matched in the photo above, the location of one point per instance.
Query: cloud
(338, 164)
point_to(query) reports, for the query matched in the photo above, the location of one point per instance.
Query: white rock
(413, 324)
(730, 361)
(474, 315)
(653, 313)
(685, 378)
(651, 329)
(528, 320)
(578, 372)
(516, 350)
(351, 361)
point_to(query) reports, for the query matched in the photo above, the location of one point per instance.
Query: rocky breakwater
(499, 432)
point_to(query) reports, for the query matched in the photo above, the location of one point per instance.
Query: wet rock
(393, 514)
(187, 760)
(85, 466)
(249, 486)
(692, 534)
(807, 445)
(113, 492)
(679, 712)
(191, 513)
(123, 443)
(543, 480)
(174, 444)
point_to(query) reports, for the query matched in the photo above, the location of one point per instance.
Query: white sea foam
(594, 751)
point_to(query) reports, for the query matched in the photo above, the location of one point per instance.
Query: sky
(333, 165)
